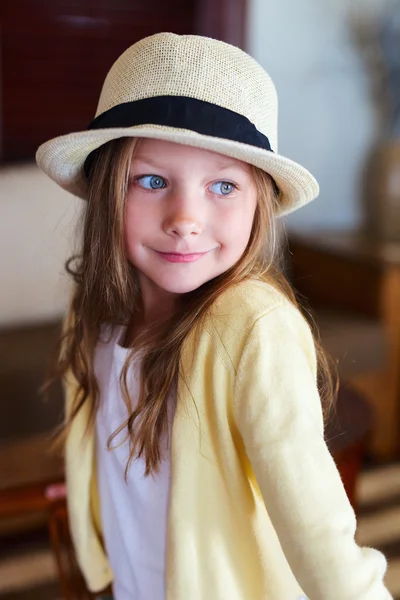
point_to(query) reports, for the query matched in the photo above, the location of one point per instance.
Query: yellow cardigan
(257, 508)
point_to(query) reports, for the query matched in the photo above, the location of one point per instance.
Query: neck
(154, 310)
(157, 306)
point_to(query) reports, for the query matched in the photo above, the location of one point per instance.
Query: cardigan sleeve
(279, 415)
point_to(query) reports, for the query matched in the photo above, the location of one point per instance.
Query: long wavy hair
(106, 292)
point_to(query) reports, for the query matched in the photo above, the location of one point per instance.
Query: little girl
(195, 455)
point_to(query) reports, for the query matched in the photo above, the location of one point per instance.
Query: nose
(183, 228)
(184, 218)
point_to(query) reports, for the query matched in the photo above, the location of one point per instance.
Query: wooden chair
(71, 581)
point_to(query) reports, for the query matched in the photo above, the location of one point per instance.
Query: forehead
(168, 153)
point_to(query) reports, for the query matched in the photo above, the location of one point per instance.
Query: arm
(278, 410)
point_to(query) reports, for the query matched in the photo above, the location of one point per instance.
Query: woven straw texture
(197, 67)
(202, 68)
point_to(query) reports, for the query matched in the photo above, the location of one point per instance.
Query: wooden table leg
(55, 538)
(71, 580)
(390, 306)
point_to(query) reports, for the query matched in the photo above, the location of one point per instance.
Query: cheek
(138, 222)
(129, 227)
(134, 233)
(236, 226)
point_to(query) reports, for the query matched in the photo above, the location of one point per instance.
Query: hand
(56, 491)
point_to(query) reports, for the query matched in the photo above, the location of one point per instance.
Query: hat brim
(62, 159)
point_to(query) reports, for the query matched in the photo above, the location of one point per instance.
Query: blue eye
(223, 188)
(151, 182)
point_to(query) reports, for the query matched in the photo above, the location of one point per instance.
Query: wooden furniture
(27, 421)
(30, 464)
(27, 467)
(347, 434)
(24, 492)
(71, 581)
(351, 272)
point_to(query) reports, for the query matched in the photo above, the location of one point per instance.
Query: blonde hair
(106, 292)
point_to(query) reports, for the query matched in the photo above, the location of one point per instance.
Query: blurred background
(336, 66)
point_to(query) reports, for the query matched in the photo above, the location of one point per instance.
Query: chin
(180, 287)
(182, 283)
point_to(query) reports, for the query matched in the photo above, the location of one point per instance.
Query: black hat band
(182, 112)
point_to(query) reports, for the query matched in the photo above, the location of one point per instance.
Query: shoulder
(248, 300)
(247, 303)
(255, 313)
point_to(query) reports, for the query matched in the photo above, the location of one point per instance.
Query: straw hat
(190, 90)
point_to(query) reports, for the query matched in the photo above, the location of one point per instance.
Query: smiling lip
(181, 258)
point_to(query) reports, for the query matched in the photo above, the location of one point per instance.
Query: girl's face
(189, 214)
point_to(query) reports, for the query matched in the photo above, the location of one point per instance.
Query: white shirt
(133, 512)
